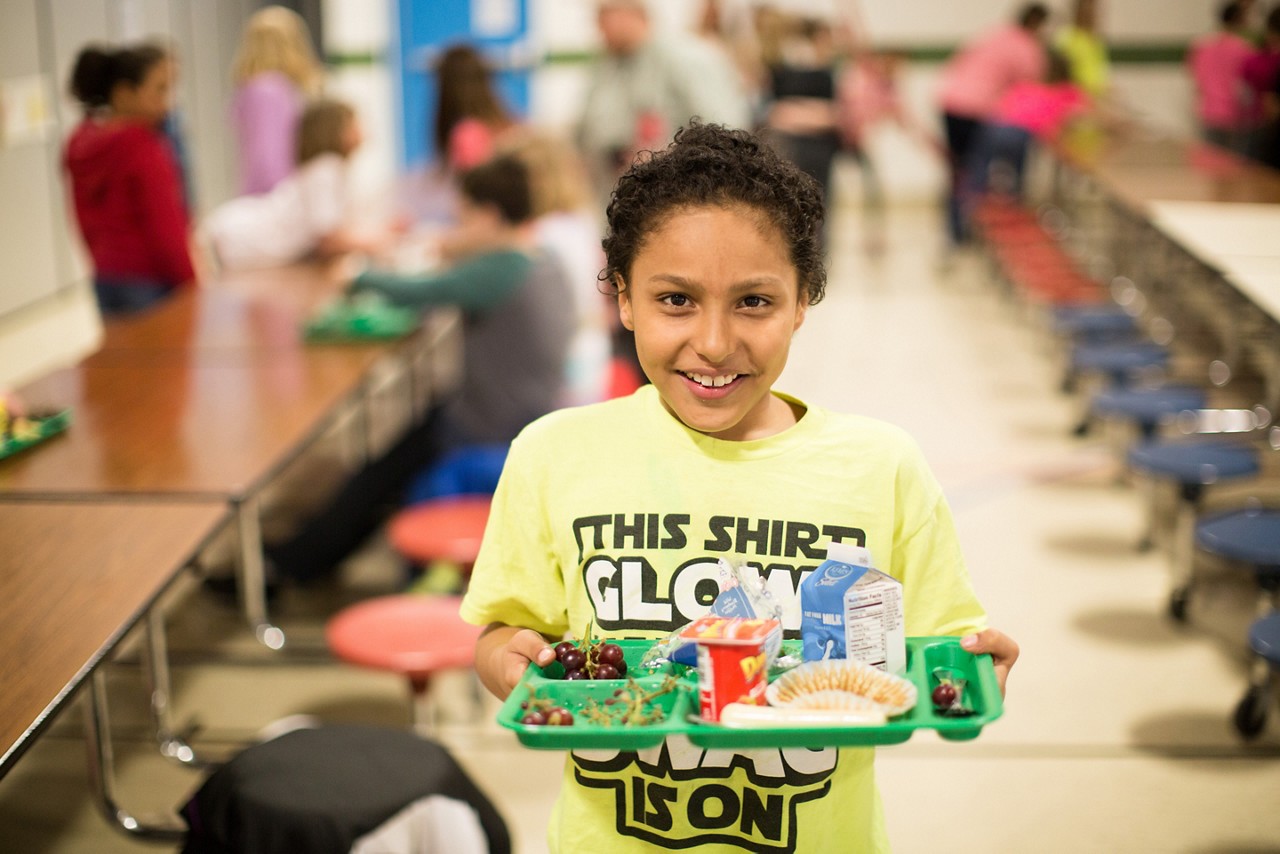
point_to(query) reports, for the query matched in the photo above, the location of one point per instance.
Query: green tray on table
(41, 427)
(924, 655)
(361, 321)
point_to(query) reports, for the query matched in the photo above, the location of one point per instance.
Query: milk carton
(849, 609)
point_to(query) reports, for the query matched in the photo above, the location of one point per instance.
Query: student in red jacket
(125, 182)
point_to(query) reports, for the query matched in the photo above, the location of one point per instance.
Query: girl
(470, 117)
(275, 73)
(125, 184)
(306, 214)
(614, 513)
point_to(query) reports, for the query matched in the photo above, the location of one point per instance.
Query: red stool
(414, 635)
(441, 529)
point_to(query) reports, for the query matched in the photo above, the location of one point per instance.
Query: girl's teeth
(711, 382)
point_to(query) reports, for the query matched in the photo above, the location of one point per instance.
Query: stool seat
(1093, 320)
(441, 529)
(1264, 638)
(1251, 535)
(1195, 462)
(1118, 358)
(410, 634)
(1146, 404)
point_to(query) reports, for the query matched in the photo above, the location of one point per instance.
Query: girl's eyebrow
(762, 281)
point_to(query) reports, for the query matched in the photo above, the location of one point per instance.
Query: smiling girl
(616, 513)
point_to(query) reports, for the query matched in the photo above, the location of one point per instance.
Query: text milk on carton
(849, 609)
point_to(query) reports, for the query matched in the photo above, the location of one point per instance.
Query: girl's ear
(624, 302)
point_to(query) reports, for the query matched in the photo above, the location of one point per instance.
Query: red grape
(610, 653)
(576, 673)
(606, 671)
(944, 696)
(560, 716)
(573, 659)
(622, 667)
(534, 719)
(562, 648)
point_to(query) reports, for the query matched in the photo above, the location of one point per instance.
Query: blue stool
(1192, 466)
(1146, 407)
(473, 470)
(1264, 639)
(1093, 322)
(1117, 360)
(1252, 536)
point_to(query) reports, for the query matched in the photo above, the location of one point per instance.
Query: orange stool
(414, 635)
(441, 529)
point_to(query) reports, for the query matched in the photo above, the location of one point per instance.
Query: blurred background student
(275, 73)
(972, 84)
(470, 116)
(647, 84)
(1028, 110)
(516, 334)
(1261, 74)
(124, 178)
(1217, 63)
(308, 213)
(801, 115)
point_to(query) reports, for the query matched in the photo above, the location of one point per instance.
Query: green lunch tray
(45, 425)
(924, 656)
(361, 322)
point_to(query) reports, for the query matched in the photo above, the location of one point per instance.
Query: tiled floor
(1116, 736)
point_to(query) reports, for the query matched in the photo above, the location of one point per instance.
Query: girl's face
(352, 137)
(150, 100)
(714, 300)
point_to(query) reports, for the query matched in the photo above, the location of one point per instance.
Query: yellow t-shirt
(1086, 54)
(617, 513)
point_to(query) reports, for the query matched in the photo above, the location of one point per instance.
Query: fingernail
(969, 641)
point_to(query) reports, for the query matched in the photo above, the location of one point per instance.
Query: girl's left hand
(1002, 649)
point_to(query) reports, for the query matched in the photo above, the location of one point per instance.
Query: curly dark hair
(712, 165)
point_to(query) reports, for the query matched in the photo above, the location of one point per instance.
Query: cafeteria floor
(1116, 734)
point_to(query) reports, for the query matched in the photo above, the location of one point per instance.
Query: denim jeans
(121, 295)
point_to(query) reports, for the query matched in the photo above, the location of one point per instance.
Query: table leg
(102, 771)
(253, 586)
(172, 744)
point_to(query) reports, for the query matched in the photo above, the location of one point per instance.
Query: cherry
(944, 696)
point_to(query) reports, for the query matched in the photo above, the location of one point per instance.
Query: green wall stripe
(1121, 54)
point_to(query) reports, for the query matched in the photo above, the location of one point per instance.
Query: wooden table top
(248, 314)
(74, 578)
(181, 425)
(1139, 169)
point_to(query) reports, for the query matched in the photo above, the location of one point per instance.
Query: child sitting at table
(613, 514)
(517, 324)
(308, 213)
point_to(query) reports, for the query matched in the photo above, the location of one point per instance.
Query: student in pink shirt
(1028, 110)
(1217, 64)
(1261, 73)
(972, 84)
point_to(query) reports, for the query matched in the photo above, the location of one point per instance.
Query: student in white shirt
(306, 214)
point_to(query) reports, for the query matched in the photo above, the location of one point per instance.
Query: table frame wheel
(1178, 602)
(1250, 716)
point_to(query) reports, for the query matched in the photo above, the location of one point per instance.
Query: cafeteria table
(75, 578)
(185, 428)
